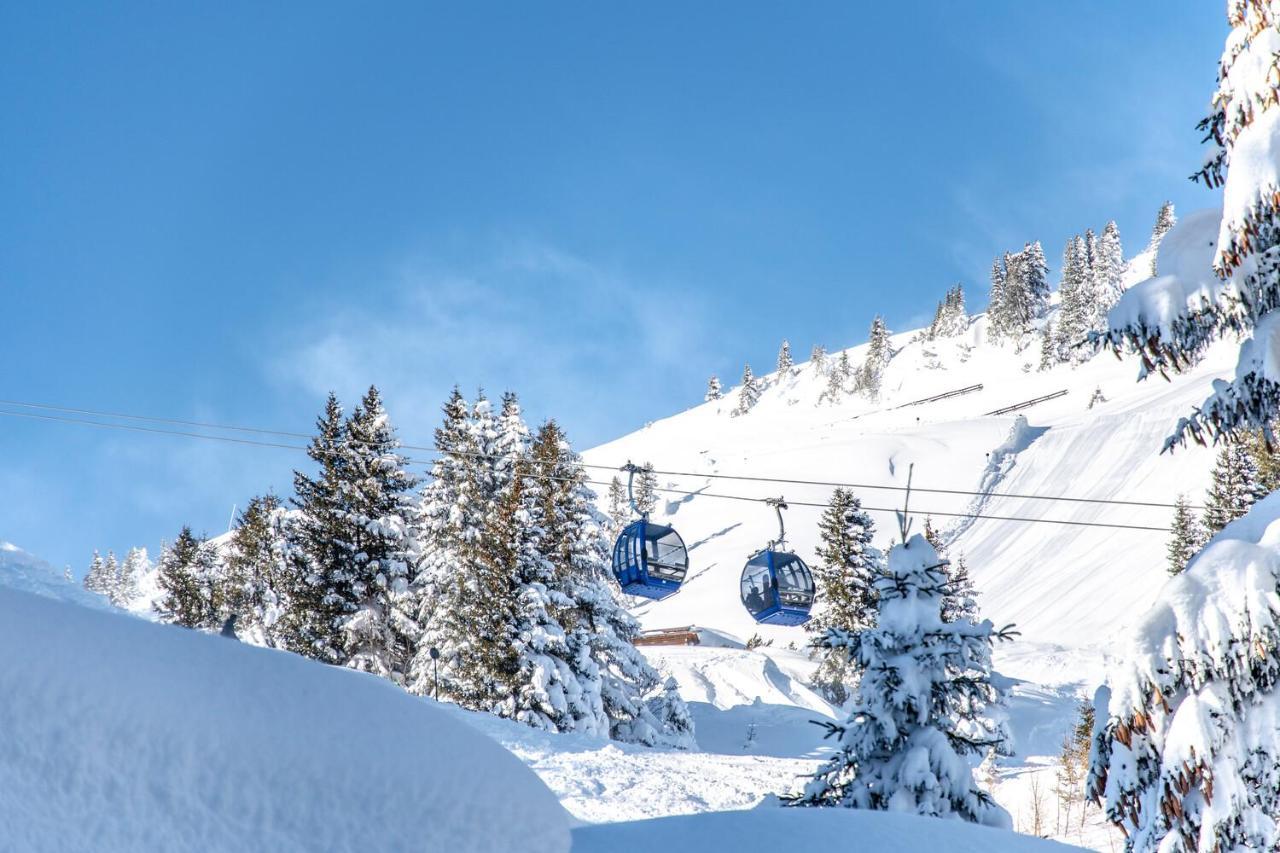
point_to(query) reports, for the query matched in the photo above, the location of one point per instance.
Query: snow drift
(121, 735)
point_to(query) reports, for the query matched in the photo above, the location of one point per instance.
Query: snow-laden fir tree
(1186, 535)
(1108, 274)
(784, 360)
(1165, 220)
(1240, 298)
(671, 712)
(714, 391)
(1075, 313)
(749, 393)
(111, 576)
(818, 359)
(96, 578)
(996, 297)
(135, 565)
(258, 575)
(1234, 487)
(960, 601)
(1035, 278)
(646, 489)
(599, 629)
(381, 519)
(843, 576)
(838, 376)
(1185, 754)
(619, 507)
(871, 373)
(949, 318)
(1048, 347)
(185, 575)
(923, 705)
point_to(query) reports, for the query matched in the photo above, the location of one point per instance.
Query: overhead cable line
(594, 466)
(669, 490)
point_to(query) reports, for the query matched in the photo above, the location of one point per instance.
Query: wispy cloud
(579, 340)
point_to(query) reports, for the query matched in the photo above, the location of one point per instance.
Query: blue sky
(221, 213)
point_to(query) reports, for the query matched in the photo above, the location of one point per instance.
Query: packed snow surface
(121, 735)
(770, 830)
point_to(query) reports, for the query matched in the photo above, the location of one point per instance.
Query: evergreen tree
(1234, 488)
(619, 507)
(837, 379)
(380, 519)
(96, 578)
(646, 489)
(1165, 220)
(922, 707)
(931, 534)
(784, 360)
(1266, 459)
(878, 354)
(1076, 311)
(258, 575)
(135, 565)
(960, 600)
(1048, 347)
(1035, 279)
(1108, 274)
(749, 393)
(319, 552)
(1019, 291)
(600, 631)
(818, 359)
(714, 392)
(453, 507)
(949, 317)
(1187, 536)
(844, 576)
(183, 575)
(111, 577)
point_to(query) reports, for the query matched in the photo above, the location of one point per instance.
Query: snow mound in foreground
(20, 570)
(121, 735)
(769, 830)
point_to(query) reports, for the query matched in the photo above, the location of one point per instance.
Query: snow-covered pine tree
(1075, 307)
(996, 298)
(111, 576)
(1035, 279)
(1242, 303)
(380, 523)
(599, 630)
(95, 579)
(670, 710)
(1187, 537)
(1108, 272)
(1184, 751)
(1165, 220)
(183, 575)
(844, 576)
(131, 571)
(749, 393)
(714, 391)
(258, 579)
(960, 601)
(1048, 347)
(954, 317)
(931, 534)
(1234, 488)
(619, 507)
(784, 360)
(818, 359)
(922, 707)
(319, 552)
(453, 509)
(1266, 460)
(871, 373)
(838, 377)
(646, 489)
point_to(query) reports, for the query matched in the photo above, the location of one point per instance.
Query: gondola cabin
(650, 560)
(777, 588)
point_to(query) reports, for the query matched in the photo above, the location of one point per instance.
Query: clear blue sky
(221, 211)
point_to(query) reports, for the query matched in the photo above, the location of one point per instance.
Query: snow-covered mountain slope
(1061, 583)
(121, 735)
(27, 572)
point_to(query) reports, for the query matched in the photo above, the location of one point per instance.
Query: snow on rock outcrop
(769, 830)
(121, 735)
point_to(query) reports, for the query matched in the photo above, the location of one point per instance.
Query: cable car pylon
(649, 560)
